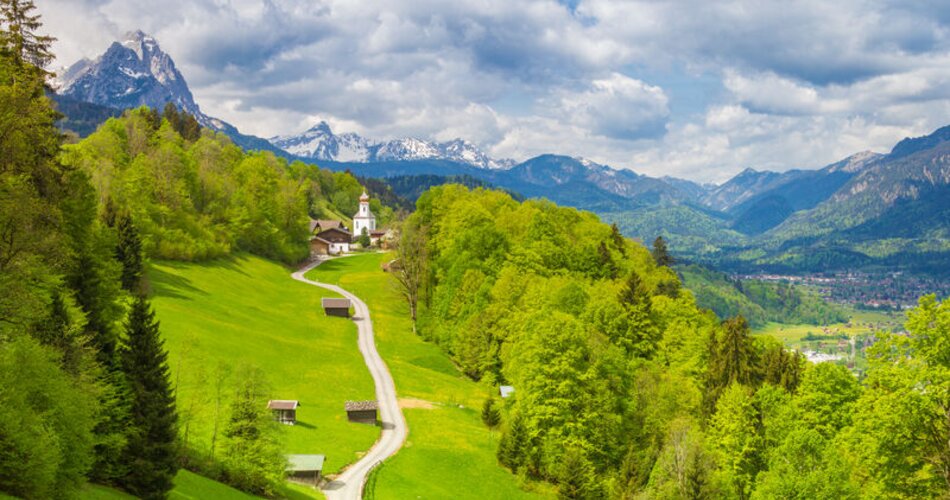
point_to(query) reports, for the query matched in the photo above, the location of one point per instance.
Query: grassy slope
(249, 311)
(449, 453)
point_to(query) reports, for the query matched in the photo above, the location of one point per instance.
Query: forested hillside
(758, 301)
(624, 388)
(195, 195)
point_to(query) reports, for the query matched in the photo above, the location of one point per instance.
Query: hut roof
(506, 390)
(332, 303)
(283, 404)
(361, 405)
(305, 463)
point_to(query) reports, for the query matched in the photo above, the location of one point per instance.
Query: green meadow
(449, 452)
(222, 319)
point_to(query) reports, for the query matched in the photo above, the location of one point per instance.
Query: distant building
(329, 237)
(306, 469)
(336, 307)
(506, 391)
(285, 410)
(364, 218)
(363, 412)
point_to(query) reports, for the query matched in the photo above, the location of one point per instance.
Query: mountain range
(861, 211)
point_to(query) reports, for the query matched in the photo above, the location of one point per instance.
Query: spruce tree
(511, 447)
(151, 449)
(660, 253)
(129, 253)
(491, 417)
(18, 35)
(575, 476)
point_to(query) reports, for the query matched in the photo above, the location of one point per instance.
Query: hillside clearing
(448, 438)
(218, 318)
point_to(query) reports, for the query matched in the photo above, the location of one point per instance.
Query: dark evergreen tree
(151, 452)
(171, 114)
(640, 335)
(733, 357)
(606, 266)
(511, 446)
(18, 35)
(575, 476)
(618, 239)
(491, 416)
(129, 253)
(660, 253)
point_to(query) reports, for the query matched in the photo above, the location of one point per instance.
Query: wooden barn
(285, 410)
(362, 412)
(336, 307)
(305, 469)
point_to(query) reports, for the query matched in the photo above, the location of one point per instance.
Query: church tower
(364, 219)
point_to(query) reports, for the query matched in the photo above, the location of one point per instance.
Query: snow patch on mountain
(320, 143)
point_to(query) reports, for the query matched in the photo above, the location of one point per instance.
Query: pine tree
(733, 358)
(18, 33)
(511, 447)
(151, 450)
(660, 253)
(491, 417)
(641, 334)
(129, 253)
(575, 476)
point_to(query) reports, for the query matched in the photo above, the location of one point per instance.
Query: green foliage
(46, 423)
(194, 195)
(129, 252)
(736, 442)
(491, 414)
(660, 254)
(252, 456)
(151, 451)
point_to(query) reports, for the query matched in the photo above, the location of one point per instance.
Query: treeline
(625, 388)
(84, 388)
(758, 301)
(195, 195)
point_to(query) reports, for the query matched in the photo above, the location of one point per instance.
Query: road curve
(349, 484)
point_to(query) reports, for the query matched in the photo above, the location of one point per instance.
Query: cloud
(620, 82)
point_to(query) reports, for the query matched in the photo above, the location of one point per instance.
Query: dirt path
(349, 484)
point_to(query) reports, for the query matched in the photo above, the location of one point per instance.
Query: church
(364, 219)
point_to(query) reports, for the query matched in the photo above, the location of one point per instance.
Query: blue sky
(691, 88)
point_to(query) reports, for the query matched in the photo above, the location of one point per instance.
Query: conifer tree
(491, 417)
(660, 253)
(512, 445)
(575, 476)
(151, 450)
(18, 35)
(129, 253)
(733, 358)
(641, 333)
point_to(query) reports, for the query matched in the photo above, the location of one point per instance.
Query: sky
(692, 88)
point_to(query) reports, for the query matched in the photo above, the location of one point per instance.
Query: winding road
(349, 484)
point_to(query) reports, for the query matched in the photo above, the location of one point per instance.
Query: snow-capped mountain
(320, 143)
(131, 73)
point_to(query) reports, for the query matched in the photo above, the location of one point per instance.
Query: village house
(305, 469)
(336, 307)
(285, 410)
(329, 237)
(362, 412)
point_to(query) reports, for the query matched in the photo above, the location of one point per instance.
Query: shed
(306, 469)
(506, 391)
(319, 246)
(336, 307)
(285, 410)
(363, 412)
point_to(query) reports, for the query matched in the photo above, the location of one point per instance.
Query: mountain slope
(131, 73)
(320, 143)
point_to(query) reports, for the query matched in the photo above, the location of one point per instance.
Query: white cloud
(803, 83)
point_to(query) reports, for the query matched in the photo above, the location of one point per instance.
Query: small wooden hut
(336, 307)
(285, 410)
(363, 412)
(305, 469)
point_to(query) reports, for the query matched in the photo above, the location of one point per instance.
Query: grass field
(835, 339)
(449, 453)
(223, 317)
